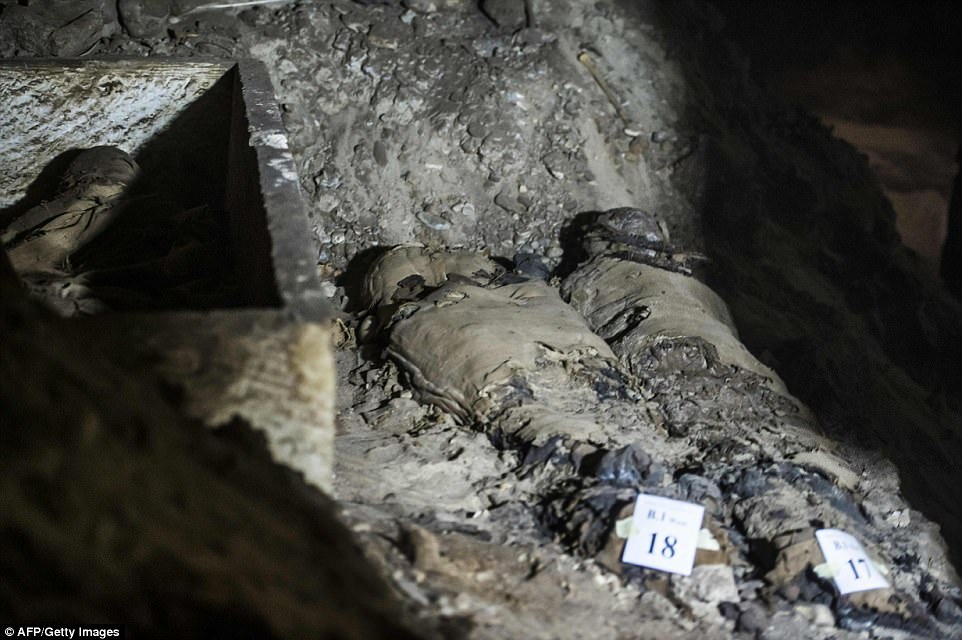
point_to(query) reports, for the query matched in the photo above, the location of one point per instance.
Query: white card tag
(664, 534)
(851, 568)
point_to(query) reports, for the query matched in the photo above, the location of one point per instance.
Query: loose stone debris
(538, 342)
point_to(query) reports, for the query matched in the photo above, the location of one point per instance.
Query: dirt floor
(505, 128)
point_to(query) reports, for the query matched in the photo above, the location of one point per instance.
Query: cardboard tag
(664, 534)
(850, 567)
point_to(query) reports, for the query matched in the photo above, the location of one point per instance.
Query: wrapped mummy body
(40, 242)
(650, 313)
(43, 238)
(512, 357)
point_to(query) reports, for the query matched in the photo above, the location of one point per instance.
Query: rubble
(514, 372)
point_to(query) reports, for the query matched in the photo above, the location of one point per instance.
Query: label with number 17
(852, 570)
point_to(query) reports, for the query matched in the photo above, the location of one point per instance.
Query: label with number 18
(664, 534)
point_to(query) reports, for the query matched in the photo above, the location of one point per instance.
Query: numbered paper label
(851, 567)
(664, 534)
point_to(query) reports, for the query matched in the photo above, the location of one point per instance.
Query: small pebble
(477, 130)
(329, 289)
(752, 620)
(660, 136)
(380, 153)
(729, 610)
(948, 611)
(421, 6)
(433, 221)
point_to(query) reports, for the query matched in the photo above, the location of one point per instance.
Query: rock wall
(806, 254)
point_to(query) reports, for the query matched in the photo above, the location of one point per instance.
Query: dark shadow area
(353, 277)
(188, 160)
(572, 235)
(244, 199)
(805, 252)
(171, 241)
(41, 189)
(951, 268)
(885, 75)
(778, 35)
(152, 519)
